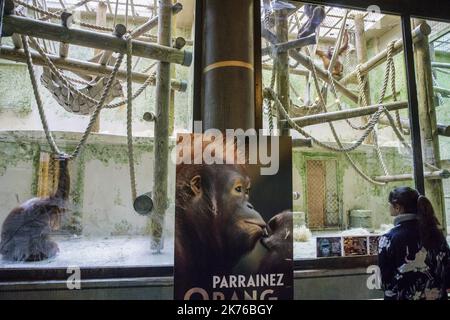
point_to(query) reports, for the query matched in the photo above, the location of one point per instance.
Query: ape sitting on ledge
(26, 230)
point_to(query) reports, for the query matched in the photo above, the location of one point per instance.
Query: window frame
(406, 9)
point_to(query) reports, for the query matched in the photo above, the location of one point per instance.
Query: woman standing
(414, 255)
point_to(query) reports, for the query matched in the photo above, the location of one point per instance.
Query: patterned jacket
(408, 270)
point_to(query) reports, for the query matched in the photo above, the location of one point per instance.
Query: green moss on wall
(13, 153)
(115, 153)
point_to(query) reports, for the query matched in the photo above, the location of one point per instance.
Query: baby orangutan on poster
(226, 248)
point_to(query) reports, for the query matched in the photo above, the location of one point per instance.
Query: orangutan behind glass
(26, 230)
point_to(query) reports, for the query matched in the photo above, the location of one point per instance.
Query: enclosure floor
(131, 251)
(105, 252)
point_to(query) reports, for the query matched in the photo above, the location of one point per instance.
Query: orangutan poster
(233, 218)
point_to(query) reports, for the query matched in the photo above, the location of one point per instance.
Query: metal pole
(258, 67)
(161, 129)
(228, 99)
(198, 57)
(408, 48)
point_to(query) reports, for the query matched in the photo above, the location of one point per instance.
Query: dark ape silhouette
(26, 230)
(338, 67)
(316, 14)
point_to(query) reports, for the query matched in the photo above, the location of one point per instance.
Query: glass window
(432, 63)
(100, 227)
(341, 198)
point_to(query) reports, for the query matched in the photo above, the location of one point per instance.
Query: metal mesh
(331, 192)
(322, 194)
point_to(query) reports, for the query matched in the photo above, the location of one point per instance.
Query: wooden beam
(285, 46)
(442, 90)
(435, 175)
(442, 65)
(82, 67)
(297, 72)
(301, 143)
(418, 34)
(51, 31)
(442, 129)
(347, 114)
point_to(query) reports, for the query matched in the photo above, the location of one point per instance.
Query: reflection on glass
(432, 59)
(326, 71)
(97, 226)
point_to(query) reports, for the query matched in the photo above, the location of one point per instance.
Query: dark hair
(412, 202)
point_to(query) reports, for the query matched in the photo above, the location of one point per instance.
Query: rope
(269, 103)
(129, 117)
(372, 123)
(40, 105)
(48, 134)
(99, 106)
(74, 90)
(271, 93)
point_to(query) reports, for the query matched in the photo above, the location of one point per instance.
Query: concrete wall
(353, 191)
(100, 186)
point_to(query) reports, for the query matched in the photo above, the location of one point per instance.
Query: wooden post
(161, 148)
(361, 53)
(178, 43)
(428, 127)
(66, 21)
(100, 20)
(227, 95)
(282, 63)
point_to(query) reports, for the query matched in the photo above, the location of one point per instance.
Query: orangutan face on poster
(233, 229)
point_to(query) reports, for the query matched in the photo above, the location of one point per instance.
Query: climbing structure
(42, 36)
